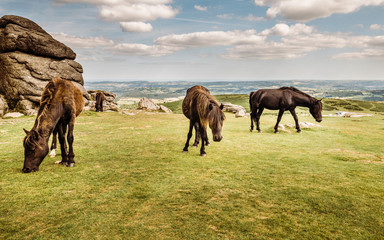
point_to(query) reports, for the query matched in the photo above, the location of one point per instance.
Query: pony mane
(296, 90)
(47, 96)
(204, 99)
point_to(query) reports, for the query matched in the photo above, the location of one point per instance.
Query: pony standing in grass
(100, 97)
(60, 104)
(282, 99)
(201, 108)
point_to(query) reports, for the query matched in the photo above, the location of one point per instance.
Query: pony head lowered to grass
(61, 102)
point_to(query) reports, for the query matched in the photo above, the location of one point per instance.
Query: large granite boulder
(29, 58)
(3, 105)
(21, 34)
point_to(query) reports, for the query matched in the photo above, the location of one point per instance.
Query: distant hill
(348, 89)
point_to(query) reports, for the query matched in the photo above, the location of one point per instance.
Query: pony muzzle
(217, 138)
(28, 170)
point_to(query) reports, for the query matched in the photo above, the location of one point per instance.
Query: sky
(221, 40)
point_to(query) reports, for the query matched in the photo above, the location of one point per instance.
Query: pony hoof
(63, 163)
(185, 151)
(259, 131)
(57, 162)
(208, 144)
(52, 154)
(194, 145)
(71, 165)
(250, 130)
(276, 131)
(203, 154)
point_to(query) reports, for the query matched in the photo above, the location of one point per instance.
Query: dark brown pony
(282, 99)
(201, 108)
(100, 97)
(60, 104)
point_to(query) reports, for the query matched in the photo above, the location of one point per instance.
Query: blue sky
(216, 40)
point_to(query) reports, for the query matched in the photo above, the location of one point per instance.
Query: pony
(61, 102)
(201, 108)
(100, 97)
(282, 99)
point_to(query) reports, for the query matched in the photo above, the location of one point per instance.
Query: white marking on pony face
(53, 153)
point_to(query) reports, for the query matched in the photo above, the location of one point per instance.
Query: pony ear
(221, 106)
(26, 131)
(35, 134)
(210, 106)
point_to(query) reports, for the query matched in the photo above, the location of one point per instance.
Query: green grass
(132, 181)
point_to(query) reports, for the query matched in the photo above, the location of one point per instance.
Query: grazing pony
(100, 97)
(282, 99)
(201, 108)
(61, 102)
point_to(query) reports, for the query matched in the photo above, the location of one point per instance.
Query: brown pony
(100, 97)
(201, 108)
(60, 104)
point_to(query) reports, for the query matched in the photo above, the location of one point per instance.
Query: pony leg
(191, 124)
(203, 133)
(206, 140)
(281, 111)
(62, 128)
(52, 154)
(197, 134)
(252, 117)
(70, 138)
(258, 114)
(293, 112)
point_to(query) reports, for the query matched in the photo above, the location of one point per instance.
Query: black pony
(282, 99)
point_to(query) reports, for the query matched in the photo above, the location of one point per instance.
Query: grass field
(132, 181)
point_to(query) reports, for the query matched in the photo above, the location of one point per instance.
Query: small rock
(147, 104)
(13, 115)
(237, 109)
(165, 109)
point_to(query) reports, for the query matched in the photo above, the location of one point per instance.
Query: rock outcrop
(149, 105)
(3, 105)
(108, 104)
(29, 58)
(238, 110)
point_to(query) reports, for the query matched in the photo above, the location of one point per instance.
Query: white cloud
(201, 8)
(136, 27)
(252, 18)
(225, 16)
(307, 10)
(214, 38)
(135, 49)
(376, 27)
(134, 11)
(283, 29)
(367, 53)
(82, 42)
